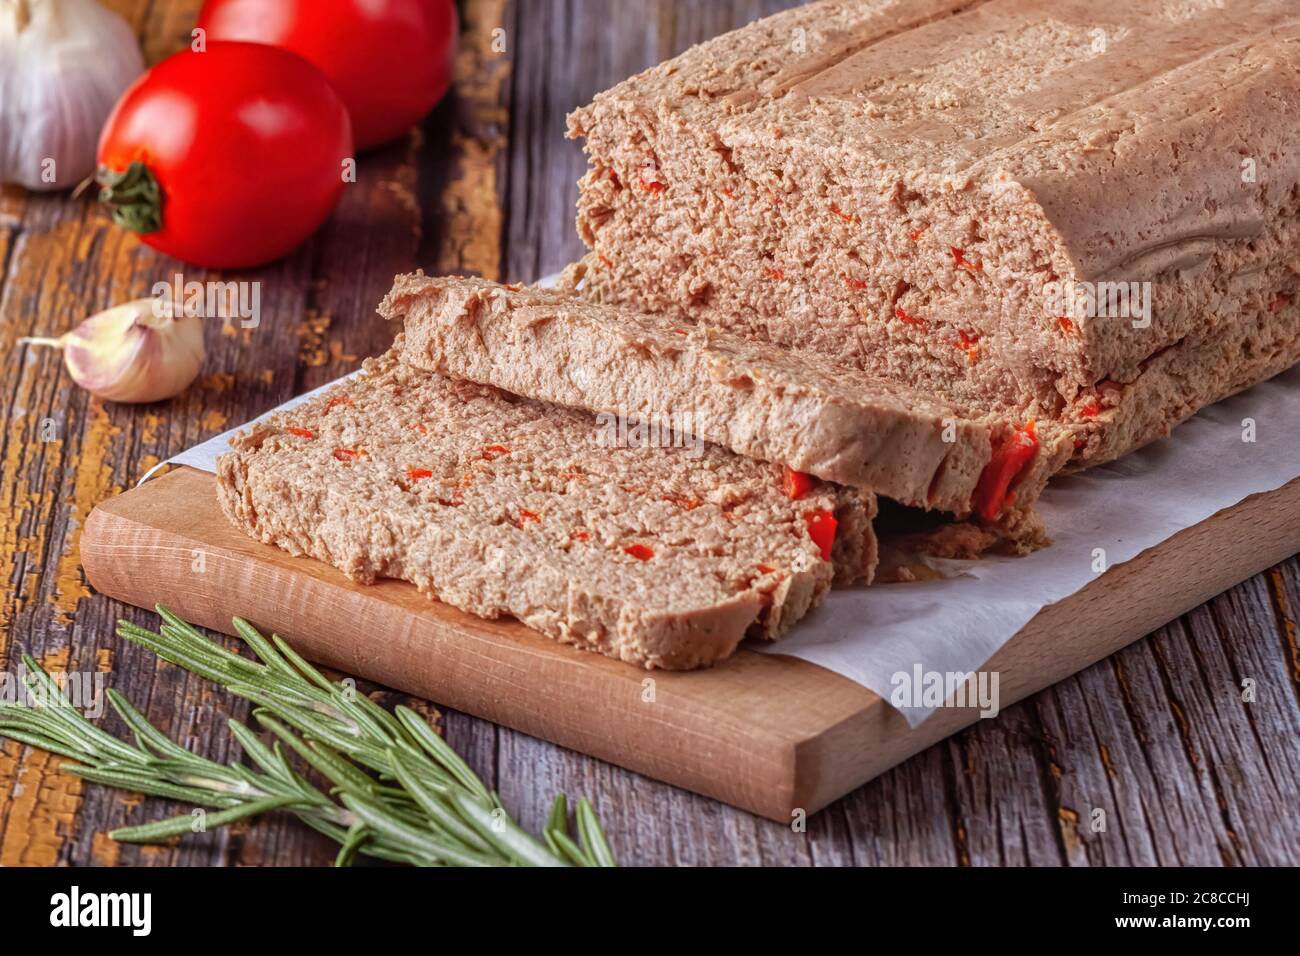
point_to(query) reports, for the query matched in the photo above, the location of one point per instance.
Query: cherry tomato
(226, 158)
(390, 60)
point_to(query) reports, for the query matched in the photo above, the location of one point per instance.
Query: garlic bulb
(63, 66)
(138, 352)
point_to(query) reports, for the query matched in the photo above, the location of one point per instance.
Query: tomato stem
(134, 197)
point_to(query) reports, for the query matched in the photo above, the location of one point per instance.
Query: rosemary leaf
(432, 802)
(146, 734)
(311, 673)
(154, 787)
(559, 816)
(401, 793)
(593, 840)
(330, 766)
(504, 833)
(263, 648)
(166, 829)
(356, 835)
(441, 751)
(570, 849)
(418, 842)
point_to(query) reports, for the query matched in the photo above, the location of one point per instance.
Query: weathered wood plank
(63, 260)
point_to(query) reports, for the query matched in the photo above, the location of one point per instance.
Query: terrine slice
(781, 405)
(661, 556)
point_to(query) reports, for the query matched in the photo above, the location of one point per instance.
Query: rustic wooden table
(1158, 733)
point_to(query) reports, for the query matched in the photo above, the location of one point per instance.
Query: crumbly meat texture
(503, 506)
(763, 401)
(896, 185)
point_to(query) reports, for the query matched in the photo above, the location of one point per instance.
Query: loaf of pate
(1074, 211)
(664, 554)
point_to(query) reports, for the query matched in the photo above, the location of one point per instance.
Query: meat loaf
(781, 405)
(930, 191)
(661, 556)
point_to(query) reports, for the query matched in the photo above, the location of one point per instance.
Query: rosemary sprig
(396, 790)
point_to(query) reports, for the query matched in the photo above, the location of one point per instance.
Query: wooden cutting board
(770, 734)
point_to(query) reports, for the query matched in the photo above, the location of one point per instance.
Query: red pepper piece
(416, 474)
(1008, 461)
(301, 432)
(959, 257)
(765, 569)
(525, 516)
(1091, 409)
(901, 313)
(773, 273)
(795, 484)
(640, 551)
(348, 454)
(853, 283)
(685, 502)
(821, 528)
(917, 233)
(651, 185)
(578, 536)
(493, 452)
(840, 213)
(1067, 326)
(341, 400)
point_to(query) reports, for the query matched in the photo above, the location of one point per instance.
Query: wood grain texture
(1153, 734)
(772, 735)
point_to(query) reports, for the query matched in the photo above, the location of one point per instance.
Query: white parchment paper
(955, 625)
(870, 635)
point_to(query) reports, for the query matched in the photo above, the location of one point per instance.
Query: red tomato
(226, 158)
(390, 60)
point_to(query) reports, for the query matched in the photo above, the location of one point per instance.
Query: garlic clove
(137, 352)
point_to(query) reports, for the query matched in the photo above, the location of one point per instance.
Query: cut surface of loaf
(781, 405)
(660, 556)
(932, 190)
